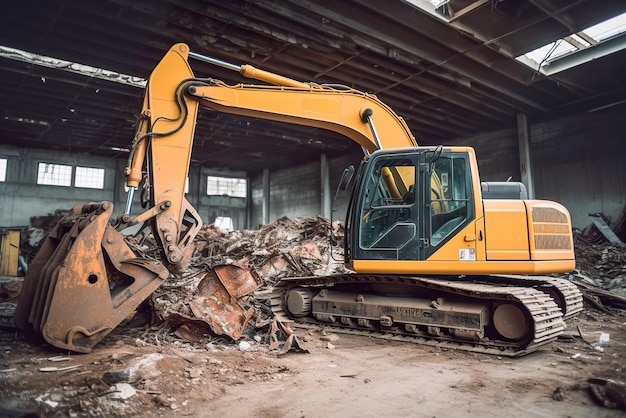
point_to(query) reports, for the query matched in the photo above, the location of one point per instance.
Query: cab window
(386, 215)
(450, 196)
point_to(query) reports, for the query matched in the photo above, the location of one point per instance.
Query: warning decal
(467, 254)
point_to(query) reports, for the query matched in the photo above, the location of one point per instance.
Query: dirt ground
(148, 373)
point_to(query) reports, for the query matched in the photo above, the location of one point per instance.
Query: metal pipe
(366, 116)
(215, 61)
(250, 71)
(129, 200)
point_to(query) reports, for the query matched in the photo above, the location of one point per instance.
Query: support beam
(525, 159)
(72, 67)
(325, 209)
(266, 197)
(249, 204)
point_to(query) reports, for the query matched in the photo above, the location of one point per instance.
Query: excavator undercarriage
(506, 315)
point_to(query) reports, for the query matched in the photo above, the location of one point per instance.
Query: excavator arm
(86, 279)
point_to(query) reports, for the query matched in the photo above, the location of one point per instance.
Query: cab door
(387, 219)
(449, 201)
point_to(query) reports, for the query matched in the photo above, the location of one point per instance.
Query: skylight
(608, 28)
(594, 42)
(577, 48)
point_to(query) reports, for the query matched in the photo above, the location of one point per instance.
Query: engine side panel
(506, 230)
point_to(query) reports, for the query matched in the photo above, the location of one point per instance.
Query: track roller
(299, 302)
(510, 322)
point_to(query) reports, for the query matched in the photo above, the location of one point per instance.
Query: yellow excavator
(435, 260)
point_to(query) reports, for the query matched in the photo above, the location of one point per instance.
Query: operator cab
(408, 203)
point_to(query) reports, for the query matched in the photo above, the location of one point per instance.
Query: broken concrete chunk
(141, 368)
(122, 391)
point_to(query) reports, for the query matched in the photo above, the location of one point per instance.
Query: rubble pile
(308, 246)
(32, 238)
(304, 246)
(285, 248)
(606, 263)
(603, 271)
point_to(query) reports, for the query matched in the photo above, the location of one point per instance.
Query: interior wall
(22, 198)
(296, 192)
(210, 207)
(579, 161)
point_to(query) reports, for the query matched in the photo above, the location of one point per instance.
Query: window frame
(65, 177)
(220, 186)
(4, 163)
(88, 177)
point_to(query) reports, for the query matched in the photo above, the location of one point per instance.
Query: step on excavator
(436, 258)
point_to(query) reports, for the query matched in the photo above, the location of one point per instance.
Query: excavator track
(565, 293)
(542, 301)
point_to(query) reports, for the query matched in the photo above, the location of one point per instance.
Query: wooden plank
(9, 253)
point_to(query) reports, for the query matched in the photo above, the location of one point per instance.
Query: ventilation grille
(551, 229)
(548, 214)
(552, 242)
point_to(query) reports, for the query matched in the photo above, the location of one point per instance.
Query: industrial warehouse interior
(409, 208)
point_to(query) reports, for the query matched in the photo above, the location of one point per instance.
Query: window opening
(3, 169)
(54, 174)
(595, 41)
(386, 221)
(234, 187)
(600, 37)
(450, 196)
(88, 177)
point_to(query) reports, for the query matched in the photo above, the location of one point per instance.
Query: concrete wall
(298, 191)
(578, 161)
(21, 196)
(581, 163)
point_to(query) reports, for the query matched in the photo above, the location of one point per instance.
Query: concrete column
(248, 220)
(266, 197)
(195, 186)
(525, 159)
(325, 187)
